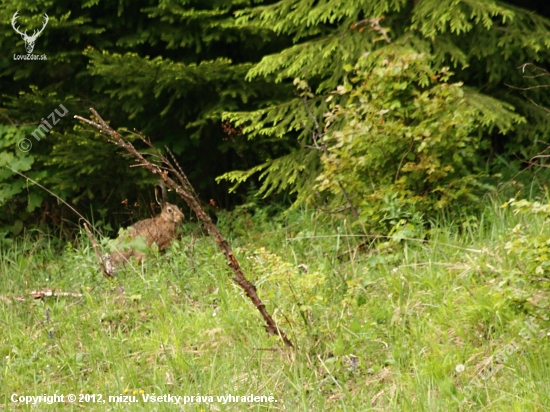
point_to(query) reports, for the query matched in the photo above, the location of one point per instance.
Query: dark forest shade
(171, 70)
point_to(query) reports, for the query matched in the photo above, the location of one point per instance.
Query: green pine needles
(377, 113)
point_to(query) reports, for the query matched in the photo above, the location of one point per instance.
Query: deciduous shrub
(406, 141)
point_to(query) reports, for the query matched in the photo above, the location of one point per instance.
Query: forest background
(289, 97)
(379, 166)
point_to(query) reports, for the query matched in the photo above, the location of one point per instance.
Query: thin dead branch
(538, 105)
(539, 72)
(40, 294)
(187, 193)
(374, 24)
(49, 293)
(107, 272)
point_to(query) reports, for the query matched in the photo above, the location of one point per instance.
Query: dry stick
(41, 294)
(88, 232)
(186, 192)
(106, 273)
(53, 194)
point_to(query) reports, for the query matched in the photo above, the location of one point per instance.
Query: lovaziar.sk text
(30, 57)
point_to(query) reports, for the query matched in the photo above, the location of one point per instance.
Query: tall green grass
(385, 325)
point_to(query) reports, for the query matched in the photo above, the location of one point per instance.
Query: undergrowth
(451, 320)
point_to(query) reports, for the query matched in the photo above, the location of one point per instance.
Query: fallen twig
(49, 293)
(40, 294)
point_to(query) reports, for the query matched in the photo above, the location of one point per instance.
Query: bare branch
(544, 71)
(539, 86)
(187, 193)
(374, 25)
(538, 105)
(107, 272)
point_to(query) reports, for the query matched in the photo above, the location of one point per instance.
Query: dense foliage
(397, 138)
(293, 81)
(409, 141)
(392, 118)
(168, 69)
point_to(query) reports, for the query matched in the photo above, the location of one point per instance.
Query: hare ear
(157, 196)
(162, 188)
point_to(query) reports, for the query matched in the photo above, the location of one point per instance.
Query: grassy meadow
(446, 319)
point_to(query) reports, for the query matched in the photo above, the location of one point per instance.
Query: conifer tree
(168, 68)
(482, 41)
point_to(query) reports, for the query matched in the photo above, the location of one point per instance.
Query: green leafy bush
(406, 141)
(528, 278)
(282, 280)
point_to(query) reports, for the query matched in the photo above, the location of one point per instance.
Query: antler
(15, 16)
(24, 35)
(29, 40)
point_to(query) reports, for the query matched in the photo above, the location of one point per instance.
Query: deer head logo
(29, 40)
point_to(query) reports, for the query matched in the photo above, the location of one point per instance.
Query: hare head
(171, 213)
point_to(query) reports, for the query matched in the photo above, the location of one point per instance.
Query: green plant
(14, 189)
(528, 245)
(406, 142)
(482, 41)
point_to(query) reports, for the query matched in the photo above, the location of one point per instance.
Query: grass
(443, 325)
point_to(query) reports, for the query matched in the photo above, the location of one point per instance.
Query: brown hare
(160, 230)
